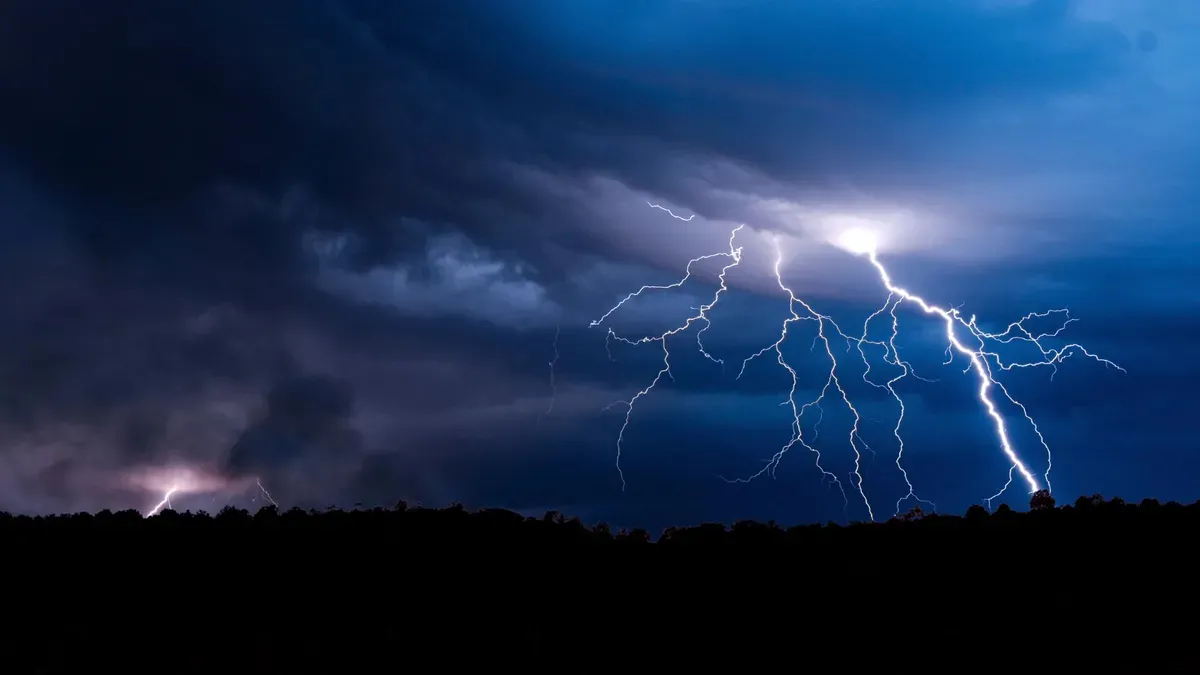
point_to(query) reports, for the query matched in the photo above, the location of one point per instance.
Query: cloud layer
(329, 242)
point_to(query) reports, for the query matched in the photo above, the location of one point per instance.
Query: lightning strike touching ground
(166, 501)
(981, 359)
(176, 482)
(823, 324)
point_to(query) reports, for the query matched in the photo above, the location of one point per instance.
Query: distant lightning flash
(980, 359)
(179, 481)
(671, 213)
(265, 494)
(553, 386)
(166, 501)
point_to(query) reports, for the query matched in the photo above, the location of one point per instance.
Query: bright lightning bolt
(981, 359)
(166, 501)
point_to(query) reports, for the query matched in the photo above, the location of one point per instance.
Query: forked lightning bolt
(735, 256)
(165, 503)
(824, 324)
(981, 358)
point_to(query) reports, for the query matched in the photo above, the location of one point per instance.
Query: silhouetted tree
(498, 528)
(977, 513)
(1041, 500)
(497, 560)
(231, 515)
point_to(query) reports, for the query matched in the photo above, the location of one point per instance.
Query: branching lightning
(980, 355)
(981, 359)
(670, 213)
(734, 254)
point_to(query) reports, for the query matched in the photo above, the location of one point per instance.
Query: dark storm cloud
(780, 63)
(305, 415)
(843, 96)
(385, 110)
(136, 112)
(167, 162)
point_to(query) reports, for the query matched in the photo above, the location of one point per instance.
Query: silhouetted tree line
(458, 525)
(1099, 585)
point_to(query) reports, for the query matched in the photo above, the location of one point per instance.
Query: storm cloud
(328, 243)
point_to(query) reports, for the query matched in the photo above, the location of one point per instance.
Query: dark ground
(1100, 587)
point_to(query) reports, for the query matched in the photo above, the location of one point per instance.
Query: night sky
(328, 245)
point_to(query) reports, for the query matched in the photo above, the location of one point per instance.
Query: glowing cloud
(858, 241)
(175, 482)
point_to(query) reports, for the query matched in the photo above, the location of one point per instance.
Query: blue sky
(328, 244)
